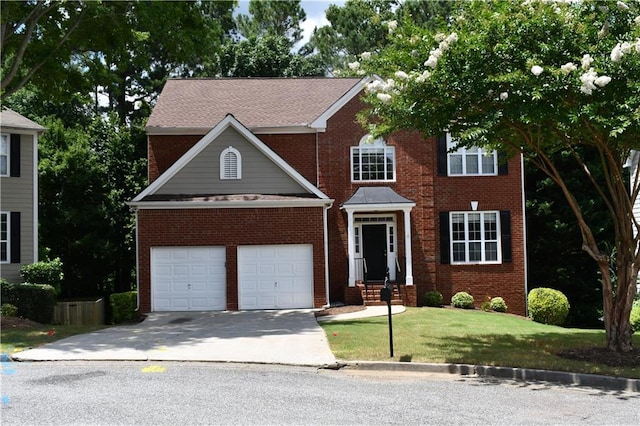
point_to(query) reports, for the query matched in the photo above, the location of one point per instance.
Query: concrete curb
(521, 374)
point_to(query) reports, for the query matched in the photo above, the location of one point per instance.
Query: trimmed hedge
(123, 306)
(548, 306)
(498, 304)
(433, 299)
(34, 301)
(462, 300)
(45, 272)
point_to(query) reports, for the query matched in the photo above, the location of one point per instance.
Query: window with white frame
(230, 164)
(4, 155)
(470, 161)
(4, 237)
(475, 237)
(373, 161)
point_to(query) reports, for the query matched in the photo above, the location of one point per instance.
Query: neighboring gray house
(632, 164)
(18, 193)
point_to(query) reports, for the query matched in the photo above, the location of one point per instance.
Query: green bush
(123, 306)
(433, 298)
(45, 272)
(548, 306)
(34, 301)
(8, 310)
(462, 300)
(635, 317)
(497, 304)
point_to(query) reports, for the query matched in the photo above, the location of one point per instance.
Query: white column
(351, 248)
(407, 247)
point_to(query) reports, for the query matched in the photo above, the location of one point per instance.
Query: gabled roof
(376, 198)
(146, 196)
(194, 106)
(11, 119)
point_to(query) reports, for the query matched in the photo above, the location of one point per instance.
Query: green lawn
(469, 337)
(20, 339)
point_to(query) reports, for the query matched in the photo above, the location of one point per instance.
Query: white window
(230, 164)
(470, 161)
(4, 155)
(373, 161)
(475, 237)
(4, 237)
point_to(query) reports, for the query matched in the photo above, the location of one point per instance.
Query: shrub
(34, 301)
(433, 298)
(548, 306)
(123, 306)
(45, 272)
(8, 310)
(497, 304)
(462, 300)
(635, 317)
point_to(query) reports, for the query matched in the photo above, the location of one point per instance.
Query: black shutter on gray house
(14, 161)
(505, 233)
(503, 163)
(445, 241)
(14, 235)
(442, 155)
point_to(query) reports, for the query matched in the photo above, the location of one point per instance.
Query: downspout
(326, 250)
(524, 236)
(317, 162)
(36, 192)
(135, 210)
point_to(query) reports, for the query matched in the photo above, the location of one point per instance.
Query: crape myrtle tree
(538, 78)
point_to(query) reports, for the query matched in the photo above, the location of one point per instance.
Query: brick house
(267, 194)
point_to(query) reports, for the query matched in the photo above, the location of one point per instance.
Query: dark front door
(374, 242)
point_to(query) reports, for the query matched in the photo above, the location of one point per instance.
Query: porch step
(371, 295)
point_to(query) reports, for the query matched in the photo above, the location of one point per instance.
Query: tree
(537, 78)
(273, 18)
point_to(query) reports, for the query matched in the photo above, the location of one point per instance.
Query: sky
(315, 15)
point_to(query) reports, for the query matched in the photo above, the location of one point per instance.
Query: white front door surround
(355, 250)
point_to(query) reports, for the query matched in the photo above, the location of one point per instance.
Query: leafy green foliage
(44, 272)
(462, 300)
(34, 301)
(635, 317)
(8, 310)
(498, 304)
(548, 306)
(433, 298)
(123, 306)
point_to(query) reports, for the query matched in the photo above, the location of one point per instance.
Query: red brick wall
(163, 151)
(492, 193)
(230, 228)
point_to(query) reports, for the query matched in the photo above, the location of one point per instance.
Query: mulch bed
(340, 310)
(16, 323)
(604, 356)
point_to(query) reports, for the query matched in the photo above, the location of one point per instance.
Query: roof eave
(235, 204)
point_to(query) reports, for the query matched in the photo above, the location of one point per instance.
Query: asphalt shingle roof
(10, 118)
(255, 102)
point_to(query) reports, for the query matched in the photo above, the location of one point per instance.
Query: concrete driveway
(276, 337)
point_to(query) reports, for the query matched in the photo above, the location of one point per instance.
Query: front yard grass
(22, 338)
(440, 335)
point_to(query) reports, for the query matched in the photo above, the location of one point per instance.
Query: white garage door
(188, 279)
(275, 277)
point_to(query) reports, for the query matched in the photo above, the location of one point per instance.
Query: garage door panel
(188, 278)
(284, 279)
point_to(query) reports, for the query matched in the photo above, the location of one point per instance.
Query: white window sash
(483, 240)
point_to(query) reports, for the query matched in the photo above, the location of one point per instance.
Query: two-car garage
(195, 278)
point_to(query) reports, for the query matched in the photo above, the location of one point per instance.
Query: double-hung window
(470, 161)
(475, 237)
(4, 154)
(373, 161)
(4, 237)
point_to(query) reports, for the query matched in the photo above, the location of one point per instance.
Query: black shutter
(505, 232)
(503, 163)
(445, 242)
(14, 236)
(14, 162)
(442, 155)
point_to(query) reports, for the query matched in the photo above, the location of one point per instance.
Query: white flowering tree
(538, 78)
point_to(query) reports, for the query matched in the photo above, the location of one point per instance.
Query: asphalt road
(184, 393)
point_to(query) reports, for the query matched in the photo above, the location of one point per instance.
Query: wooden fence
(86, 312)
